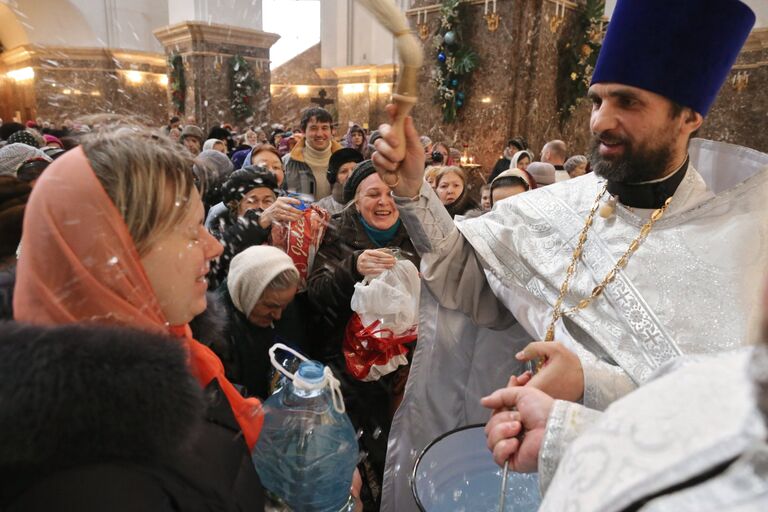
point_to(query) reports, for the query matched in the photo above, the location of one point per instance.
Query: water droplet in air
(377, 433)
(457, 495)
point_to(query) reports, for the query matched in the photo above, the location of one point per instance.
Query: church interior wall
(514, 90)
(86, 56)
(294, 84)
(740, 113)
(207, 62)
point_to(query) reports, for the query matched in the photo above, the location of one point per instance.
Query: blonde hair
(148, 178)
(431, 172)
(450, 169)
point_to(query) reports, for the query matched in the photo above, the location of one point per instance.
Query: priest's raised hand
(410, 170)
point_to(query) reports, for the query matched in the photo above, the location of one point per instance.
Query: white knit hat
(251, 271)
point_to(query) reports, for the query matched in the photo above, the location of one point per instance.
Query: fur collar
(210, 326)
(297, 153)
(79, 394)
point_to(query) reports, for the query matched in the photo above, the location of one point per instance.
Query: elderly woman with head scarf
(339, 168)
(116, 237)
(359, 244)
(521, 160)
(253, 205)
(261, 155)
(215, 145)
(261, 306)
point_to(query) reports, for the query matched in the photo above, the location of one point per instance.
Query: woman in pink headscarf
(113, 234)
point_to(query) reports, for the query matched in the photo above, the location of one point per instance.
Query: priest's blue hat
(680, 49)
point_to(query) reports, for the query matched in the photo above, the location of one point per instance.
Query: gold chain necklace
(557, 312)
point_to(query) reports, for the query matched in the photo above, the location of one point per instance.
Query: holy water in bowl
(456, 473)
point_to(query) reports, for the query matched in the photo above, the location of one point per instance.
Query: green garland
(178, 83)
(455, 62)
(581, 56)
(243, 86)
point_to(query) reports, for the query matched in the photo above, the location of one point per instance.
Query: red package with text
(301, 239)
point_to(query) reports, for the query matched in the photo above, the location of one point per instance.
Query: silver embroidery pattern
(683, 258)
(652, 339)
(663, 434)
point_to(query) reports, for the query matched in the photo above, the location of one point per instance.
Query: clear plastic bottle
(307, 449)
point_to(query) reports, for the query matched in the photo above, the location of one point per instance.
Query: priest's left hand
(562, 376)
(503, 431)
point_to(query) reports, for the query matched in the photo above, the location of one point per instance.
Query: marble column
(207, 50)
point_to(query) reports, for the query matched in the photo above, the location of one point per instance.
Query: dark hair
(174, 119)
(508, 181)
(675, 109)
(520, 143)
(8, 129)
(320, 114)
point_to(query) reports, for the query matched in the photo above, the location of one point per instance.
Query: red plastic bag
(301, 239)
(371, 352)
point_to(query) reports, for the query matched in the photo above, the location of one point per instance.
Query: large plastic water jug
(307, 449)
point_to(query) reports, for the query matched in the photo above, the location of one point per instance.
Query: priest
(654, 255)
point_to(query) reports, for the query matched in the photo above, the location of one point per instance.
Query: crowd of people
(247, 185)
(150, 271)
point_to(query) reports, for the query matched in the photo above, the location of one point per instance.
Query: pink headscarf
(79, 264)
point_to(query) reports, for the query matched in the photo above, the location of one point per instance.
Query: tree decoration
(243, 86)
(178, 83)
(580, 56)
(455, 62)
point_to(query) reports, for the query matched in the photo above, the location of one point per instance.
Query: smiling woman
(359, 244)
(118, 239)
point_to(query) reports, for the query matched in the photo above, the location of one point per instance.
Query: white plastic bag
(386, 317)
(392, 297)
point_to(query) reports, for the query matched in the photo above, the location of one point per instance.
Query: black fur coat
(97, 418)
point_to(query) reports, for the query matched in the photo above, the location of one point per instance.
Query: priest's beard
(636, 165)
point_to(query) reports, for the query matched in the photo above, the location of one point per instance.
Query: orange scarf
(79, 264)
